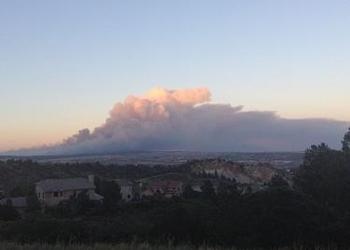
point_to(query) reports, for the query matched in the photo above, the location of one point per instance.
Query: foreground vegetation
(315, 210)
(14, 246)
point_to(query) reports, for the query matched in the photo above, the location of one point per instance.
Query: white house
(126, 189)
(51, 192)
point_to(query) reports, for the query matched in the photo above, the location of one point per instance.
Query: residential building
(51, 192)
(166, 188)
(127, 189)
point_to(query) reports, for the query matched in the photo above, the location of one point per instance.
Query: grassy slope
(14, 246)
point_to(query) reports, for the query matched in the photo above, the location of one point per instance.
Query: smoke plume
(186, 120)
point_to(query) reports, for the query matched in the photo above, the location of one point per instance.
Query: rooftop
(52, 185)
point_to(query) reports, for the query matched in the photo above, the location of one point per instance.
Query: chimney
(91, 178)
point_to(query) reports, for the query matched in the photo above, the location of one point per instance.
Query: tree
(22, 189)
(325, 176)
(208, 190)
(189, 193)
(228, 190)
(75, 206)
(346, 142)
(33, 204)
(8, 213)
(110, 192)
(277, 181)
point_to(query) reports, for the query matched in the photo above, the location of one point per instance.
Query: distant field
(278, 159)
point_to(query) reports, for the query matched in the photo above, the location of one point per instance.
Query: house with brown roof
(51, 192)
(166, 188)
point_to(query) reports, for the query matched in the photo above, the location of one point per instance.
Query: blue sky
(63, 64)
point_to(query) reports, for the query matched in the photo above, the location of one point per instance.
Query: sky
(64, 64)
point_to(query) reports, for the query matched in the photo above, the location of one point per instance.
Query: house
(166, 188)
(196, 185)
(127, 189)
(51, 192)
(18, 203)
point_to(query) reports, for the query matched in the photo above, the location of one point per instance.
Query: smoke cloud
(186, 120)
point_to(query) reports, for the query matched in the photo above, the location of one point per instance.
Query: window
(55, 194)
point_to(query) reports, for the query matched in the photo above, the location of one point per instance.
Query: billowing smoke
(185, 120)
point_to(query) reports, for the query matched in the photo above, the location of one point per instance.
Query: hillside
(242, 173)
(22, 174)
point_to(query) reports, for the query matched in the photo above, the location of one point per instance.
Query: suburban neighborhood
(51, 192)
